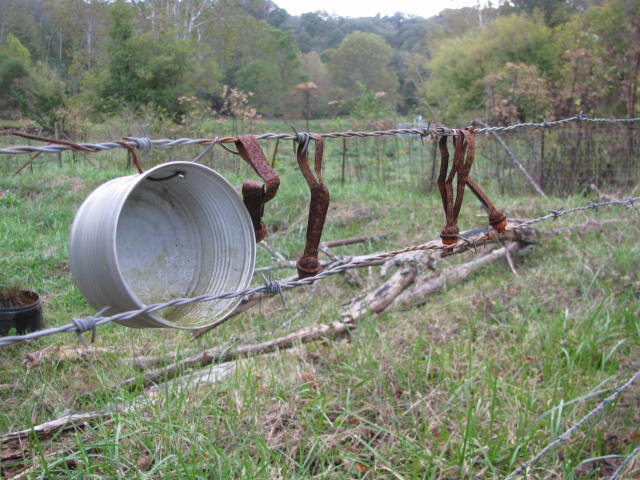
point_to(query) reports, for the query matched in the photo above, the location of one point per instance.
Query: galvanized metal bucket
(177, 230)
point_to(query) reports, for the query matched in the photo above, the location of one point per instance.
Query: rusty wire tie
(82, 148)
(464, 153)
(308, 265)
(256, 194)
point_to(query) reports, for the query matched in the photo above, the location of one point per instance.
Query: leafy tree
(554, 12)
(412, 73)
(273, 71)
(35, 89)
(15, 62)
(600, 64)
(370, 111)
(517, 93)
(317, 72)
(146, 68)
(20, 18)
(460, 67)
(362, 59)
(83, 25)
(42, 96)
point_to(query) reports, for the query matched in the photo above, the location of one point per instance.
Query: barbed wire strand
(554, 214)
(80, 326)
(565, 436)
(624, 464)
(146, 143)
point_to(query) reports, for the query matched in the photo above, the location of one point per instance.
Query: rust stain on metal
(256, 194)
(308, 265)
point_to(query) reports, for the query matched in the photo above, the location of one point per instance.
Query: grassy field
(470, 384)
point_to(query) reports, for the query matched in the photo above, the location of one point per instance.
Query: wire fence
(80, 326)
(567, 155)
(562, 156)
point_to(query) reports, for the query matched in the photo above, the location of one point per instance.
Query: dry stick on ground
(352, 240)
(413, 264)
(405, 283)
(14, 446)
(57, 353)
(405, 288)
(433, 282)
(216, 355)
(66, 421)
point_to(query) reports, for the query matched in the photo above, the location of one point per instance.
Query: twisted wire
(555, 214)
(274, 286)
(146, 144)
(546, 124)
(565, 436)
(624, 463)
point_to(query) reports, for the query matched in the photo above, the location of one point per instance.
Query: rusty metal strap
(308, 265)
(464, 154)
(256, 194)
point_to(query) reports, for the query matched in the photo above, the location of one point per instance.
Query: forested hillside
(522, 60)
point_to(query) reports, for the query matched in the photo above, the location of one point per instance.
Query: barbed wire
(565, 436)
(145, 143)
(80, 326)
(555, 123)
(624, 463)
(555, 214)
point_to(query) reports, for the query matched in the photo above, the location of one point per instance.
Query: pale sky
(369, 8)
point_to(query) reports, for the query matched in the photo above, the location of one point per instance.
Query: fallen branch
(406, 287)
(437, 280)
(413, 264)
(59, 353)
(410, 267)
(66, 421)
(15, 447)
(352, 240)
(217, 355)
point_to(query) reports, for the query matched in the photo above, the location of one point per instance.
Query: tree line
(515, 61)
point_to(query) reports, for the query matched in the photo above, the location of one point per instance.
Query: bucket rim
(36, 302)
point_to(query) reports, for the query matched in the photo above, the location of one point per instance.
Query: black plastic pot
(27, 317)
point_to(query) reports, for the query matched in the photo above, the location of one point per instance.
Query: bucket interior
(180, 234)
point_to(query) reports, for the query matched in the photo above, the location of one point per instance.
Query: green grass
(468, 385)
